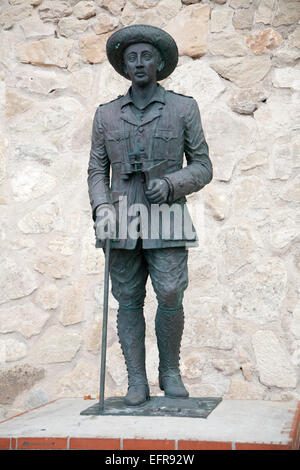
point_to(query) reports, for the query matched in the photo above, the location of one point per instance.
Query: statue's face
(141, 61)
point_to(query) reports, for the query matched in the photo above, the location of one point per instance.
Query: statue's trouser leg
(169, 276)
(129, 273)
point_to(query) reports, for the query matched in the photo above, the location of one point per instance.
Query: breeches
(167, 267)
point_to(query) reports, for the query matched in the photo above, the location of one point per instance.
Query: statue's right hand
(105, 223)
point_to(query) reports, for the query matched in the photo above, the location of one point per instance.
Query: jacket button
(141, 129)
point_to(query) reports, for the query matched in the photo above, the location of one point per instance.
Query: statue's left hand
(157, 191)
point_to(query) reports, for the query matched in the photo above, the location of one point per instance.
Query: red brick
(296, 439)
(94, 443)
(4, 443)
(204, 445)
(148, 444)
(295, 430)
(56, 443)
(254, 446)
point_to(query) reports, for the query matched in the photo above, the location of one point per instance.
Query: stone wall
(238, 58)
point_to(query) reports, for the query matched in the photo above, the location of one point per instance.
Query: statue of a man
(131, 135)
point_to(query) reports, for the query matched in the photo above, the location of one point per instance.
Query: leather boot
(131, 332)
(169, 329)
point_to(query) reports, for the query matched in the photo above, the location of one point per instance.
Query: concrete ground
(233, 424)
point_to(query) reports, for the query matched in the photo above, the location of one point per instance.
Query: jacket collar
(155, 112)
(159, 96)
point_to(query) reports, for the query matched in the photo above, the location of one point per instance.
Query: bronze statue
(142, 137)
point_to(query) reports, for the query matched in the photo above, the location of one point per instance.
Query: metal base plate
(157, 406)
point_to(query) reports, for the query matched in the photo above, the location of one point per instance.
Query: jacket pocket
(116, 144)
(166, 144)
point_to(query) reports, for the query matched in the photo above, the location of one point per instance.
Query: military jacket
(168, 129)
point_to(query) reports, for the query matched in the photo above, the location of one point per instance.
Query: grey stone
(66, 246)
(287, 77)
(114, 6)
(31, 182)
(35, 153)
(245, 71)
(288, 12)
(3, 150)
(224, 129)
(212, 331)
(81, 381)
(291, 192)
(72, 305)
(217, 202)
(37, 398)
(281, 159)
(15, 281)
(25, 319)
(53, 10)
(196, 78)
(41, 81)
(12, 349)
(15, 104)
(240, 3)
(227, 45)
(227, 366)
(84, 10)
(253, 160)
(273, 118)
(295, 324)
(246, 101)
(44, 219)
(283, 229)
(49, 51)
(53, 265)
(15, 14)
(251, 198)
(34, 28)
(238, 246)
(2, 412)
(105, 23)
(70, 26)
(193, 364)
(259, 295)
(265, 11)
(57, 345)
(15, 380)
(243, 390)
(243, 18)
(273, 373)
(289, 52)
(150, 3)
(220, 19)
(189, 29)
(47, 296)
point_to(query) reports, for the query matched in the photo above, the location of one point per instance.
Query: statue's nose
(139, 62)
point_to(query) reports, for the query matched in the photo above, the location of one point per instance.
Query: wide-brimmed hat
(133, 34)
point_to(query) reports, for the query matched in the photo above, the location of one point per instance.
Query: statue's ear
(124, 67)
(160, 61)
(160, 65)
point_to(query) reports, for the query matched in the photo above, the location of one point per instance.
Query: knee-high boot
(169, 328)
(131, 332)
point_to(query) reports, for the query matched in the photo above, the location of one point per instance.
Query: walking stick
(104, 325)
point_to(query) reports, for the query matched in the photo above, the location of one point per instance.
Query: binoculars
(136, 164)
(139, 164)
